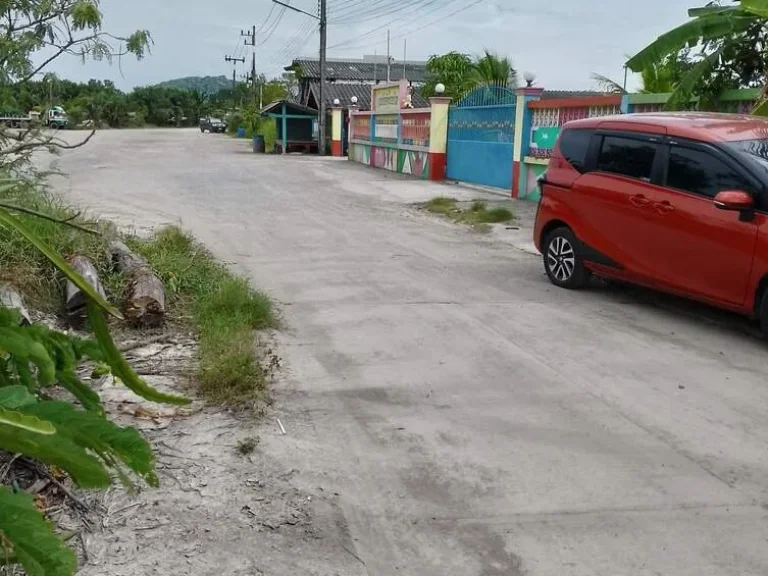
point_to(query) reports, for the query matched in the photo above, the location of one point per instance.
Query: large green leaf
(689, 34)
(81, 391)
(13, 397)
(711, 10)
(684, 89)
(756, 7)
(18, 342)
(58, 261)
(103, 437)
(85, 469)
(33, 543)
(120, 367)
(24, 422)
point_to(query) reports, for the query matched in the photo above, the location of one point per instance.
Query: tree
(494, 69)
(34, 33)
(460, 74)
(658, 78)
(730, 44)
(453, 70)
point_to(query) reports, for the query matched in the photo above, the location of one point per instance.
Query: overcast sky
(561, 41)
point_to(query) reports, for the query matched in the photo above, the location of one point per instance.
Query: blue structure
(296, 126)
(481, 129)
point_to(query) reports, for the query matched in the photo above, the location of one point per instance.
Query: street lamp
(529, 78)
(440, 88)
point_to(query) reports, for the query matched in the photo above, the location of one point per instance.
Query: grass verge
(27, 268)
(478, 215)
(223, 309)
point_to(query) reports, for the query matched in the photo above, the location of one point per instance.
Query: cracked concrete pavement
(473, 419)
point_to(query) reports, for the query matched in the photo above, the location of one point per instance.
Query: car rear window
(574, 145)
(627, 156)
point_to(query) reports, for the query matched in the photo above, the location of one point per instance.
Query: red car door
(699, 249)
(615, 206)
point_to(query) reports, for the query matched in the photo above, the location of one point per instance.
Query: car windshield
(754, 150)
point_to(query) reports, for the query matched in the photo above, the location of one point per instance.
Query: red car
(676, 202)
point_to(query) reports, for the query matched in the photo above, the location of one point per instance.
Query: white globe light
(440, 88)
(529, 77)
(336, 101)
(354, 99)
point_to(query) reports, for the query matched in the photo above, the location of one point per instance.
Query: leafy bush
(80, 441)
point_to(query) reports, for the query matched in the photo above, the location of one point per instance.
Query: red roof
(695, 125)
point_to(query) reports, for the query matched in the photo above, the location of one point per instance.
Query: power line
(418, 28)
(271, 31)
(271, 10)
(372, 11)
(410, 14)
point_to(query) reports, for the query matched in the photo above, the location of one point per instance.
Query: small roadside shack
(297, 129)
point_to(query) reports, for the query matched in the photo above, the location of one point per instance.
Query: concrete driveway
(473, 419)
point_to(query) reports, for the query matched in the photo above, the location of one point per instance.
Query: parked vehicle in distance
(676, 202)
(212, 125)
(56, 117)
(53, 117)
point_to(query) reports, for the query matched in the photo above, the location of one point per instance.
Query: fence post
(438, 136)
(523, 118)
(337, 118)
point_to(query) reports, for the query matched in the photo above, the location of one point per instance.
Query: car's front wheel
(562, 259)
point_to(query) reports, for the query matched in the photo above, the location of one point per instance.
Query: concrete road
(473, 419)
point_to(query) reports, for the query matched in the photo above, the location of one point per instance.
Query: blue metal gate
(481, 130)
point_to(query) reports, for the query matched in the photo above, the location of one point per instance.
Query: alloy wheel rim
(561, 259)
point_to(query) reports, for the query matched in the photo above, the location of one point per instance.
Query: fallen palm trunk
(75, 299)
(144, 293)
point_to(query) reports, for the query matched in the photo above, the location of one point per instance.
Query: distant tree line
(99, 103)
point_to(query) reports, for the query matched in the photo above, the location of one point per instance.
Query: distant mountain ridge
(205, 84)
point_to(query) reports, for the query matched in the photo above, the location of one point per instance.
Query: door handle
(664, 207)
(639, 200)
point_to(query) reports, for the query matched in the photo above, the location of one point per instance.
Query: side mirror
(734, 200)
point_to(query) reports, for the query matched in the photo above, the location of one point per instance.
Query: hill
(205, 84)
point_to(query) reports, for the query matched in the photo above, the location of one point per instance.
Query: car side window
(702, 173)
(574, 145)
(627, 157)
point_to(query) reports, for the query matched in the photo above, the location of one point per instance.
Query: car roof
(704, 126)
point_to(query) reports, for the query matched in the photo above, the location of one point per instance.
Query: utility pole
(389, 60)
(250, 40)
(323, 19)
(234, 68)
(323, 46)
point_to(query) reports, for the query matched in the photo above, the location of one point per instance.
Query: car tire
(562, 259)
(763, 313)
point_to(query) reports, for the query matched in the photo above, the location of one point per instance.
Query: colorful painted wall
(532, 169)
(412, 162)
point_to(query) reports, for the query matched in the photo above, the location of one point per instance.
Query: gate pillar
(523, 117)
(438, 136)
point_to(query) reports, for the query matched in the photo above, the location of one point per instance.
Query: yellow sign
(386, 100)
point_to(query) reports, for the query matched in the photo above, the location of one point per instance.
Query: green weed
(478, 215)
(223, 309)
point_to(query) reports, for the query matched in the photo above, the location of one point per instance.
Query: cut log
(144, 294)
(145, 299)
(10, 298)
(124, 259)
(75, 299)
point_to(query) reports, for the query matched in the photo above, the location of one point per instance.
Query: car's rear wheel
(562, 259)
(763, 313)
